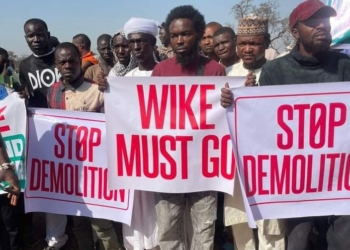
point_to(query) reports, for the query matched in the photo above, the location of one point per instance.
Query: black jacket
(293, 68)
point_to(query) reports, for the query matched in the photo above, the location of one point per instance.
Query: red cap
(307, 9)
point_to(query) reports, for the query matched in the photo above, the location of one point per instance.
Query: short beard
(187, 59)
(255, 65)
(315, 48)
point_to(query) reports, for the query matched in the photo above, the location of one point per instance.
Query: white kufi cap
(141, 25)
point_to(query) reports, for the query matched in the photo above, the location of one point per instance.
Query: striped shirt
(82, 95)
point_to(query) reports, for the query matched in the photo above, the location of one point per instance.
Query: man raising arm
(186, 26)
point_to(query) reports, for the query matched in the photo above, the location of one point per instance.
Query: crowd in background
(69, 76)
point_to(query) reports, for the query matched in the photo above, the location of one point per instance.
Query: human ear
(295, 33)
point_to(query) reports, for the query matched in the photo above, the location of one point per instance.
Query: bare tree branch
(12, 55)
(18, 60)
(279, 35)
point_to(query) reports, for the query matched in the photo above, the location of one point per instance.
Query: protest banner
(340, 24)
(169, 134)
(13, 125)
(67, 168)
(292, 148)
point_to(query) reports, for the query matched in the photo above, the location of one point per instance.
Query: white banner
(293, 149)
(67, 167)
(169, 134)
(13, 125)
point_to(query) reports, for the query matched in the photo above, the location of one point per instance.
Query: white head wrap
(141, 25)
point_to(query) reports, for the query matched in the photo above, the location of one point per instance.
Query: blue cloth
(3, 92)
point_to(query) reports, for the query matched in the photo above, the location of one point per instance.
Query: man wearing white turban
(141, 25)
(141, 34)
(121, 50)
(142, 234)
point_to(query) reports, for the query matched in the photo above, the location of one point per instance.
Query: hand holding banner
(67, 167)
(168, 134)
(13, 126)
(293, 150)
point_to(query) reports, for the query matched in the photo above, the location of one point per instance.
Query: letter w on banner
(67, 167)
(168, 134)
(293, 149)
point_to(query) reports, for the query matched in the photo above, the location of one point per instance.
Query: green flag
(341, 23)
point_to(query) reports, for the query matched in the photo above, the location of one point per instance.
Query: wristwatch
(6, 166)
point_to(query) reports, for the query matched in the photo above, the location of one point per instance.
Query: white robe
(143, 232)
(234, 211)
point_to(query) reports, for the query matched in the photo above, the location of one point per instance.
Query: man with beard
(310, 61)
(37, 72)
(142, 234)
(186, 26)
(206, 43)
(105, 63)
(252, 40)
(224, 42)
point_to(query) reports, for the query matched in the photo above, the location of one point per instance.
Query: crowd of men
(69, 76)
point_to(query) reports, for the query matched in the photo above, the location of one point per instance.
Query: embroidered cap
(307, 9)
(253, 26)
